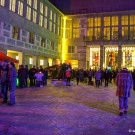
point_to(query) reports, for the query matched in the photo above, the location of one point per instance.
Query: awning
(4, 57)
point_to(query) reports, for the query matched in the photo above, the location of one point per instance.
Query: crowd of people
(124, 79)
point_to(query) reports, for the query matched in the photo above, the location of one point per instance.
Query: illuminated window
(29, 2)
(41, 20)
(30, 61)
(34, 16)
(20, 8)
(41, 62)
(2, 2)
(54, 27)
(125, 32)
(45, 22)
(124, 20)
(43, 42)
(28, 15)
(68, 33)
(76, 23)
(90, 22)
(132, 20)
(97, 21)
(12, 5)
(75, 33)
(90, 33)
(41, 7)
(106, 21)
(132, 32)
(50, 26)
(51, 14)
(97, 34)
(71, 49)
(54, 18)
(114, 20)
(15, 33)
(35, 4)
(106, 33)
(31, 37)
(46, 11)
(114, 33)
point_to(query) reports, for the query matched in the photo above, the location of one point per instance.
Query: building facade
(37, 33)
(30, 30)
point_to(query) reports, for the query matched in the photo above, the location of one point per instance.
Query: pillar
(119, 57)
(35, 61)
(102, 57)
(87, 57)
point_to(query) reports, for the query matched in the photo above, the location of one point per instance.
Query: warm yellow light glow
(64, 41)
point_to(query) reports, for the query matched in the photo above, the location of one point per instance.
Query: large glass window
(114, 33)
(15, 32)
(114, 20)
(107, 33)
(2, 2)
(71, 49)
(51, 14)
(132, 32)
(132, 19)
(50, 25)
(125, 32)
(124, 20)
(28, 15)
(31, 37)
(20, 8)
(106, 21)
(90, 33)
(12, 5)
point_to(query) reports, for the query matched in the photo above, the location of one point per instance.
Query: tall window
(52, 45)
(132, 20)
(97, 21)
(114, 33)
(2, 2)
(41, 7)
(97, 33)
(132, 32)
(12, 5)
(46, 11)
(45, 22)
(75, 33)
(15, 33)
(34, 16)
(41, 20)
(125, 33)
(35, 4)
(76, 23)
(29, 2)
(43, 42)
(28, 15)
(20, 8)
(124, 20)
(106, 21)
(90, 22)
(107, 33)
(114, 20)
(31, 37)
(90, 33)
(51, 14)
(71, 49)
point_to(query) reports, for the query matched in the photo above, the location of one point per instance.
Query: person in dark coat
(133, 76)
(4, 82)
(21, 76)
(77, 76)
(106, 77)
(12, 82)
(26, 75)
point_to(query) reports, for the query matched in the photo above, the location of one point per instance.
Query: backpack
(67, 73)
